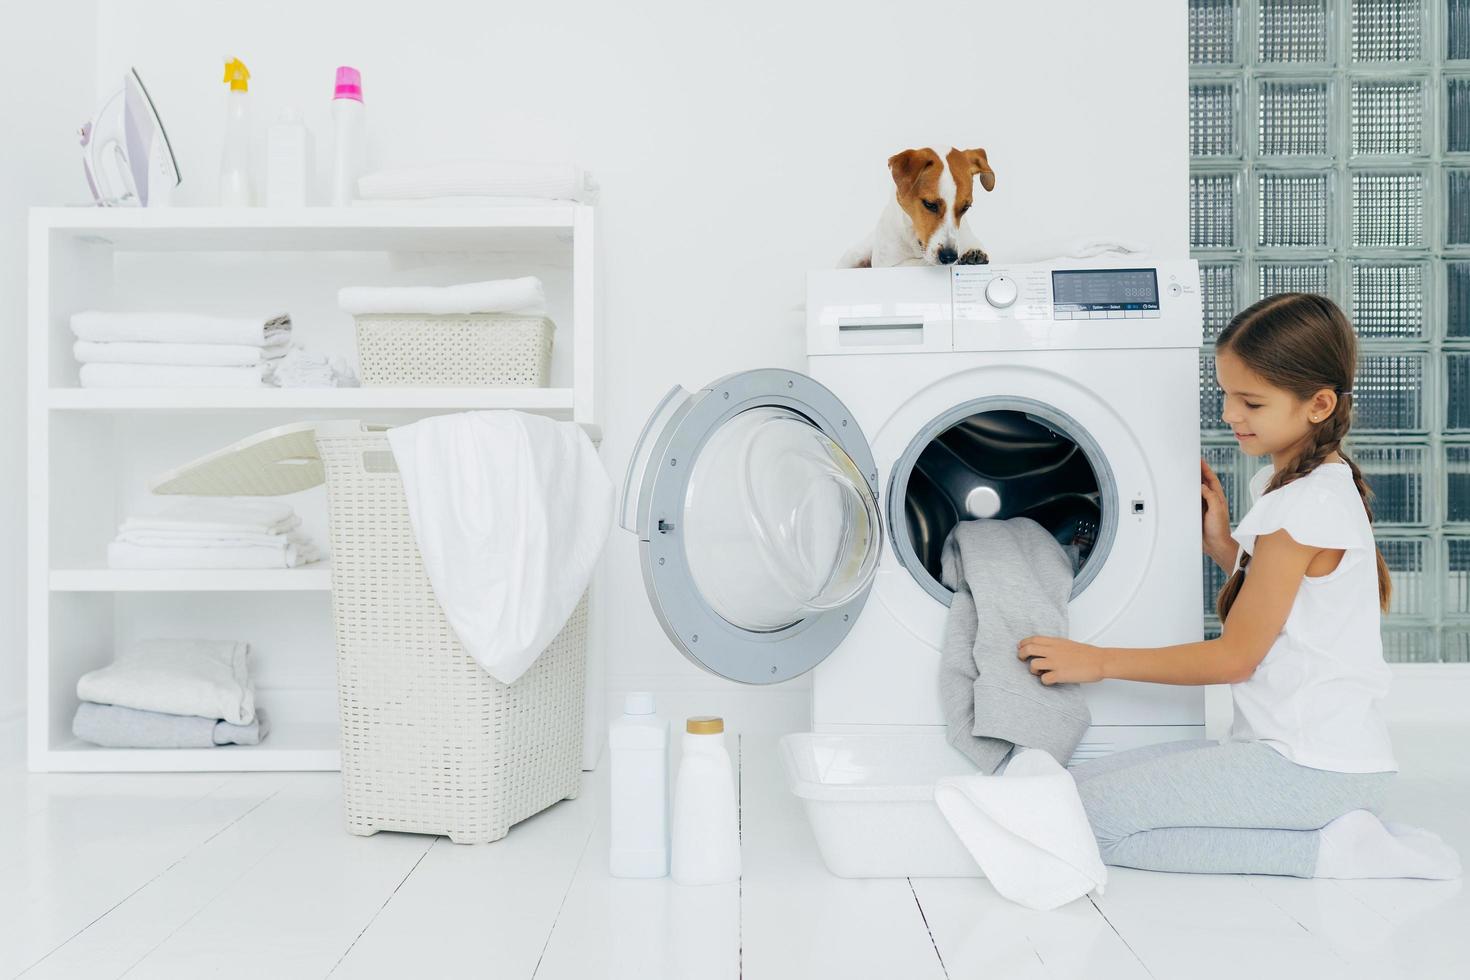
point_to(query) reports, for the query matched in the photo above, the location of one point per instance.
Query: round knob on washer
(1001, 292)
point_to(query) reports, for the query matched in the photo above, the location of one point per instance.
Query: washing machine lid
(755, 501)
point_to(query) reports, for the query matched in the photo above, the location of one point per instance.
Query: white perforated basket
(476, 350)
(431, 743)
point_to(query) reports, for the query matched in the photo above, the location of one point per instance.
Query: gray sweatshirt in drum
(1011, 579)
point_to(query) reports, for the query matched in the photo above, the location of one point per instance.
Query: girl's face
(1266, 420)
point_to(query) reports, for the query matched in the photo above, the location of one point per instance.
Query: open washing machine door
(755, 501)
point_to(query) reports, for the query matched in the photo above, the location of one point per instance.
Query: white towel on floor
(218, 514)
(178, 328)
(121, 554)
(206, 355)
(482, 178)
(523, 295)
(510, 512)
(170, 376)
(1027, 830)
(207, 678)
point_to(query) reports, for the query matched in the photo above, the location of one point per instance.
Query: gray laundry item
(117, 727)
(1011, 580)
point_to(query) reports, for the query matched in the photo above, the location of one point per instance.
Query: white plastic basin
(870, 800)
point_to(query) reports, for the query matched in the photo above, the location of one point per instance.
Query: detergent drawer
(879, 311)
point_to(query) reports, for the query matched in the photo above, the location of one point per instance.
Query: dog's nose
(947, 255)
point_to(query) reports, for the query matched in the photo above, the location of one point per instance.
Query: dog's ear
(908, 165)
(980, 165)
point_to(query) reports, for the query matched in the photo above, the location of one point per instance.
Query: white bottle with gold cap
(706, 835)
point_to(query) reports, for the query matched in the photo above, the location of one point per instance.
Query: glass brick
(1457, 577)
(1457, 484)
(1292, 117)
(1388, 393)
(1457, 207)
(1456, 644)
(1212, 206)
(1274, 278)
(1294, 209)
(1213, 107)
(1293, 31)
(1388, 208)
(1388, 117)
(1408, 646)
(1211, 398)
(1457, 390)
(1457, 30)
(1408, 561)
(1219, 296)
(1387, 30)
(1212, 32)
(1396, 475)
(1388, 299)
(1214, 580)
(1457, 115)
(1457, 296)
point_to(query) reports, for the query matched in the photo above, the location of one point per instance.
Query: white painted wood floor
(252, 875)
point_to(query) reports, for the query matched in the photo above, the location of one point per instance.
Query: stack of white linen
(524, 295)
(177, 350)
(477, 183)
(214, 532)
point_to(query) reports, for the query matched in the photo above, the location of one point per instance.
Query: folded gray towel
(117, 727)
(1012, 577)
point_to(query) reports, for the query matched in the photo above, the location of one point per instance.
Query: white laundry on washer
(510, 511)
(1027, 830)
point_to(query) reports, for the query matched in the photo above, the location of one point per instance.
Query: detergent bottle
(638, 825)
(234, 168)
(350, 125)
(705, 845)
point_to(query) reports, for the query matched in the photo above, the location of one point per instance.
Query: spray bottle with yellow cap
(234, 168)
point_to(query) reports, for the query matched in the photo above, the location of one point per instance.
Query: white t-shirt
(1314, 698)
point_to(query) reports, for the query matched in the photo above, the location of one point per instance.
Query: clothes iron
(125, 151)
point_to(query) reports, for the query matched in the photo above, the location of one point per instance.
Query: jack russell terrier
(923, 223)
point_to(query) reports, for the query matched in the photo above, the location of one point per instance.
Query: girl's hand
(1215, 514)
(1060, 661)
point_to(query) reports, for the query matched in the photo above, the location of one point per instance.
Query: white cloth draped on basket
(521, 295)
(510, 511)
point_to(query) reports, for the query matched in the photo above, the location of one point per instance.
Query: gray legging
(1217, 807)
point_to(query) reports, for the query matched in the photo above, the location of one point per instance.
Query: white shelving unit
(92, 452)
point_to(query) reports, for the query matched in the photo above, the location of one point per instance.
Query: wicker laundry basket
(475, 350)
(431, 743)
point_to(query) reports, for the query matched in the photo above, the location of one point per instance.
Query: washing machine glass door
(755, 501)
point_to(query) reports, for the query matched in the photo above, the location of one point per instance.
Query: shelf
(292, 744)
(551, 401)
(316, 577)
(512, 226)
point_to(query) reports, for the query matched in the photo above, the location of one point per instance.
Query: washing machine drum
(1001, 464)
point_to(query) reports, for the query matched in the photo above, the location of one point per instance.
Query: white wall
(738, 146)
(47, 87)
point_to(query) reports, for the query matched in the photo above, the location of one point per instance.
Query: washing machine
(792, 522)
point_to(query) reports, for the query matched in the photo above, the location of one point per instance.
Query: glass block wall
(1329, 146)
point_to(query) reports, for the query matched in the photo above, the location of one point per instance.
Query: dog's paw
(974, 256)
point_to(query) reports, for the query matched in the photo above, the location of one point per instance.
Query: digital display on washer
(1115, 292)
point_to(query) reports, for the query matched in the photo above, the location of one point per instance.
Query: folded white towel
(523, 295)
(121, 554)
(206, 355)
(1027, 830)
(178, 328)
(170, 376)
(212, 539)
(483, 178)
(453, 201)
(207, 678)
(510, 512)
(218, 514)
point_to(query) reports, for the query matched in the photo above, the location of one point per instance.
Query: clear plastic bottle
(350, 124)
(706, 836)
(638, 754)
(234, 167)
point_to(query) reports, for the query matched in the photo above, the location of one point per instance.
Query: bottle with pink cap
(350, 125)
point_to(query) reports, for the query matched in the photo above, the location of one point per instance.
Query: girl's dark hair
(1302, 343)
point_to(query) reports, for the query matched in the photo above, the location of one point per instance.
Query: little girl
(1295, 789)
